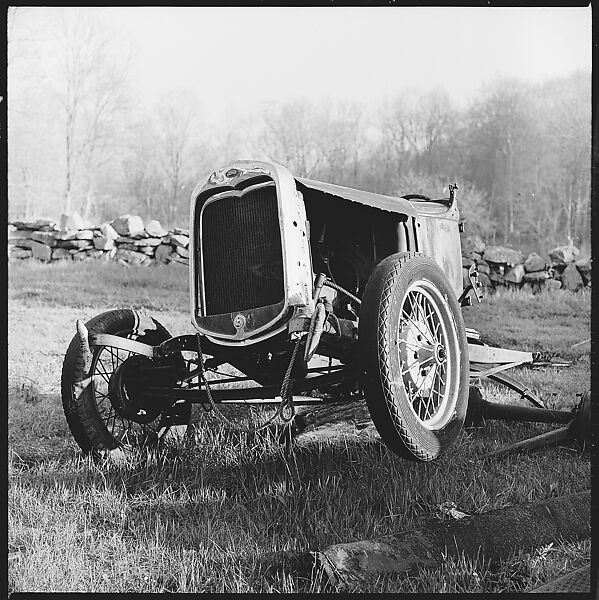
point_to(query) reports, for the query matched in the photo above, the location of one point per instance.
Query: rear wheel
(99, 394)
(415, 353)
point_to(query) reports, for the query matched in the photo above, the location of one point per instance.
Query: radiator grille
(241, 252)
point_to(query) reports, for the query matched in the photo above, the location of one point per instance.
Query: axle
(480, 410)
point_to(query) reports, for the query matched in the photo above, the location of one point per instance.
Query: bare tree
(176, 116)
(92, 90)
(291, 137)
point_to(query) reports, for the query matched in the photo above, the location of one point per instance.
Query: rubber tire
(393, 418)
(81, 413)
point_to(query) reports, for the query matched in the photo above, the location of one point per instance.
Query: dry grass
(229, 512)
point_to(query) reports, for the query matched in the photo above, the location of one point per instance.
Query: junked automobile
(301, 292)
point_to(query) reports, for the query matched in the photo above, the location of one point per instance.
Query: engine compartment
(348, 240)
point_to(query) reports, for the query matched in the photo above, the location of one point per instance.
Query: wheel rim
(125, 431)
(429, 355)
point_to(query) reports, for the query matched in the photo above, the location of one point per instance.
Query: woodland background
(80, 140)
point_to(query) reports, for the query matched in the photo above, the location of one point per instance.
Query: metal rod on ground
(511, 412)
(545, 439)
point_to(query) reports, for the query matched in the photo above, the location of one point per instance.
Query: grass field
(232, 513)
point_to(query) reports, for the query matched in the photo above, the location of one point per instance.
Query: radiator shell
(248, 293)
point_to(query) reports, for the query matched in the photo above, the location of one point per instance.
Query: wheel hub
(125, 391)
(424, 357)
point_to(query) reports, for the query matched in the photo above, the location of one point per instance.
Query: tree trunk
(492, 536)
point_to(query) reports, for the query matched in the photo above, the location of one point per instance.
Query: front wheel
(415, 352)
(99, 418)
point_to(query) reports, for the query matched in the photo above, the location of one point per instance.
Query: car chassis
(383, 325)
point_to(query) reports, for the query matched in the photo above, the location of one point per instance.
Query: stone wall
(501, 266)
(128, 241)
(125, 239)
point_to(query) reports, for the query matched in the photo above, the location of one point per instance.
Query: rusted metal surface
(438, 237)
(388, 203)
(491, 536)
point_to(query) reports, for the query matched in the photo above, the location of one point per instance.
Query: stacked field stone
(125, 239)
(128, 241)
(573, 272)
(503, 266)
(473, 249)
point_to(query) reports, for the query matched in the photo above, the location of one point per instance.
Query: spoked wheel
(101, 398)
(416, 356)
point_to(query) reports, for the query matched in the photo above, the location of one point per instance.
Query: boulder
(163, 252)
(571, 278)
(103, 243)
(179, 231)
(483, 267)
(80, 256)
(179, 259)
(503, 255)
(563, 255)
(149, 250)
(130, 247)
(51, 227)
(67, 235)
(467, 262)
(184, 252)
(122, 239)
(128, 225)
(60, 254)
(553, 284)
(584, 268)
(33, 225)
(85, 234)
(534, 263)
(132, 257)
(43, 252)
(74, 221)
(180, 240)
(20, 234)
(536, 277)
(108, 231)
(16, 252)
(23, 243)
(515, 274)
(154, 229)
(149, 242)
(44, 237)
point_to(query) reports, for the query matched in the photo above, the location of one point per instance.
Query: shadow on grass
(239, 500)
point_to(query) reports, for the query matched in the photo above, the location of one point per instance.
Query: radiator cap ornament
(239, 322)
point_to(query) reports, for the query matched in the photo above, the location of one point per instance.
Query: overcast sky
(244, 55)
(235, 58)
